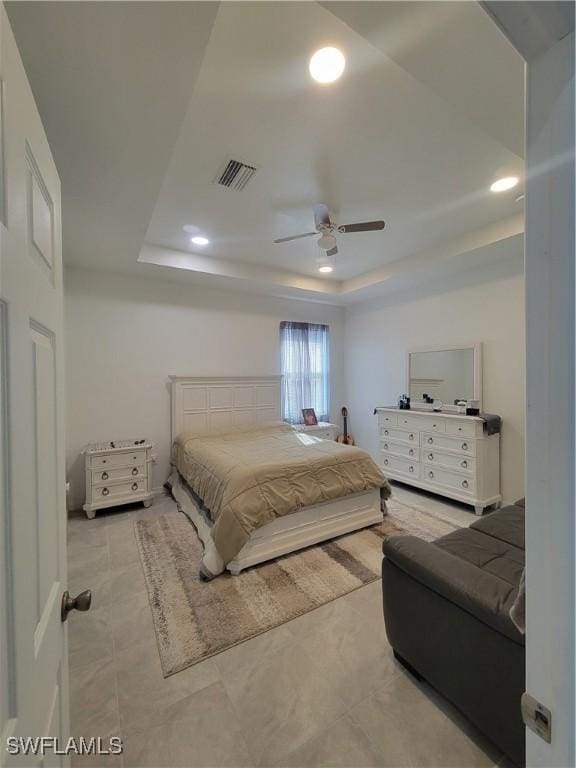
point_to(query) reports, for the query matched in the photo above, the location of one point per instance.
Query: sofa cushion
(486, 552)
(506, 524)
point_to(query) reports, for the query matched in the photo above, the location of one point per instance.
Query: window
(304, 349)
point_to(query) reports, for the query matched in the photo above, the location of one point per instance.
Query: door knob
(81, 602)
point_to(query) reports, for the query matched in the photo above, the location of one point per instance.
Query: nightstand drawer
(109, 475)
(137, 456)
(129, 488)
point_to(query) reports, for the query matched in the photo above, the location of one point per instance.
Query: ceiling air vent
(235, 175)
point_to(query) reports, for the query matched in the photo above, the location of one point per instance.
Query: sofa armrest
(482, 594)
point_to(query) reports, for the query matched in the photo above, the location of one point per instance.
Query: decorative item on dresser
(453, 455)
(323, 429)
(118, 472)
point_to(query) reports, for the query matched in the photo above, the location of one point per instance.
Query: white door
(34, 685)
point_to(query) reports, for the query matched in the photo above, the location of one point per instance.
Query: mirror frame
(476, 347)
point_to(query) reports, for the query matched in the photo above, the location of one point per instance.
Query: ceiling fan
(326, 229)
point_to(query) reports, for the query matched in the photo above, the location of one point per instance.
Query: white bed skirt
(289, 533)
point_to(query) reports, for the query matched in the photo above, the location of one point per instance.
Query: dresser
(449, 454)
(323, 429)
(118, 472)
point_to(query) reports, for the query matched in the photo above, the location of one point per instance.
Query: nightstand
(118, 472)
(323, 429)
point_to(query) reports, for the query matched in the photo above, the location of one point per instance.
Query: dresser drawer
(118, 459)
(129, 488)
(450, 479)
(461, 428)
(388, 419)
(402, 435)
(109, 475)
(430, 423)
(401, 466)
(449, 461)
(400, 449)
(443, 442)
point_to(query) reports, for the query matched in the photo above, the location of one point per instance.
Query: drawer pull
(103, 461)
(411, 452)
(105, 491)
(386, 446)
(459, 429)
(430, 440)
(464, 446)
(104, 475)
(134, 486)
(430, 474)
(434, 425)
(464, 483)
(386, 432)
(464, 464)
(411, 436)
(431, 456)
(135, 471)
(386, 462)
(411, 468)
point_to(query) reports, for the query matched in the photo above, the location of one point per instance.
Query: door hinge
(537, 717)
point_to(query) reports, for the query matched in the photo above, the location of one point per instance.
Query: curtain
(305, 366)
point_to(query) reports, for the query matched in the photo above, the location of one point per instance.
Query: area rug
(194, 620)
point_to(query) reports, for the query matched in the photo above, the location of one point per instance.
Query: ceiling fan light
(326, 242)
(327, 65)
(504, 184)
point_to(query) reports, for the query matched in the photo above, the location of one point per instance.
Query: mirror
(448, 374)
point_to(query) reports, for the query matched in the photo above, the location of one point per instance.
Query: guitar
(344, 437)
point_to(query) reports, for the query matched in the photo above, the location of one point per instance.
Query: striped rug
(194, 620)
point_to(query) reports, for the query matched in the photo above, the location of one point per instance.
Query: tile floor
(321, 690)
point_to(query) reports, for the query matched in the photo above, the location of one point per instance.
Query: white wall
(485, 305)
(126, 335)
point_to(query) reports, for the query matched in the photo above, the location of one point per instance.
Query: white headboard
(216, 403)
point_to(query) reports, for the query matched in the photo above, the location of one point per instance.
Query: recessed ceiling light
(327, 65)
(199, 240)
(326, 268)
(501, 185)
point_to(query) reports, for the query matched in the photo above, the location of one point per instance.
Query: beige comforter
(248, 477)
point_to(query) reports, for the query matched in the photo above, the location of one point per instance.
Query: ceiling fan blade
(364, 226)
(321, 216)
(294, 237)
(332, 251)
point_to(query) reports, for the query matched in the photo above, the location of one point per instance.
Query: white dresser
(449, 454)
(119, 472)
(323, 429)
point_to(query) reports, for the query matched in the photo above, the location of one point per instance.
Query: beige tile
(355, 661)
(89, 637)
(403, 718)
(210, 735)
(146, 698)
(93, 700)
(98, 761)
(97, 581)
(281, 702)
(88, 562)
(125, 582)
(254, 650)
(336, 616)
(122, 544)
(342, 745)
(83, 534)
(131, 621)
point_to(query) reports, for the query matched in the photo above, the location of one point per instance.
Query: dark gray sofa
(446, 608)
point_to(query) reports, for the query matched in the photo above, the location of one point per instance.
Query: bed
(254, 487)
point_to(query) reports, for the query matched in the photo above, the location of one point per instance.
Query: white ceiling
(143, 102)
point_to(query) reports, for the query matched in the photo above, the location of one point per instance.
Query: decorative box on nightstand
(119, 472)
(323, 429)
